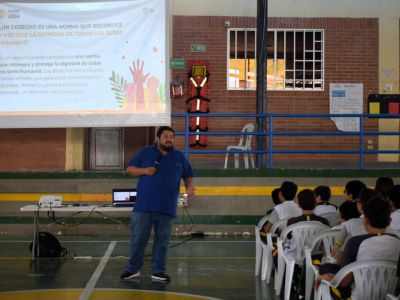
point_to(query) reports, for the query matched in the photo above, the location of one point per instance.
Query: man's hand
(190, 190)
(149, 171)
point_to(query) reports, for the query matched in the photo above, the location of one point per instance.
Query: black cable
(62, 222)
(113, 219)
(192, 235)
(191, 220)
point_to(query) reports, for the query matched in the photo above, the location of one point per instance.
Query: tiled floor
(221, 268)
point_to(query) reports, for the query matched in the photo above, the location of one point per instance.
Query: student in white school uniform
(322, 197)
(355, 226)
(374, 244)
(348, 210)
(353, 189)
(287, 208)
(394, 197)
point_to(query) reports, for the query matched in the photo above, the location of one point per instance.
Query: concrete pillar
(74, 154)
(389, 34)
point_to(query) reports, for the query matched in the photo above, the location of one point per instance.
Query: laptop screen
(123, 197)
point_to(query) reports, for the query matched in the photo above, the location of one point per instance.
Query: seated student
(287, 208)
(394, 197)
(352, 189)
(354, 226)
(348, 210)
(383, 185)
(322, 196)
(307, 203)
(375, 244)
(275, 199)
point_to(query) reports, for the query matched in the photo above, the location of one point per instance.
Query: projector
(50, 201)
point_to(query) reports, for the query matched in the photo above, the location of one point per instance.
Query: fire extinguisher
(177, 87)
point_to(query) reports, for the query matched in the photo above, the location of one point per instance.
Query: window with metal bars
(295, 59)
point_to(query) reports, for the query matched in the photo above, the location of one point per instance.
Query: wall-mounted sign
(197, 48)
(177, 63)
(384, 104)
(346, 98)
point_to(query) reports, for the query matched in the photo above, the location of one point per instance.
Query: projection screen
(92, 64)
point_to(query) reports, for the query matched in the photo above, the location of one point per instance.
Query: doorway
(106, 149)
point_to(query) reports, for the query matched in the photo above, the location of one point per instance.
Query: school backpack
(48, 245)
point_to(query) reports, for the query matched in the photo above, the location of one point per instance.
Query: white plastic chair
(302, 235)
(327, 238)
(267, 249)
(259, 243)
(373, 280)
(244, 145)
(332, 217)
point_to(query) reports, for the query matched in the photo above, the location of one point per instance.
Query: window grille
(295, 59)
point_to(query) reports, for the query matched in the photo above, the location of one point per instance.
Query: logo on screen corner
(13, 14)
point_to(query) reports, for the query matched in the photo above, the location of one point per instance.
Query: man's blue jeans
(141, 225)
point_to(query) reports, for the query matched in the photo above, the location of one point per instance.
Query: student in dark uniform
(307, 204)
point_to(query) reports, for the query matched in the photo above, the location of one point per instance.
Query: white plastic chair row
(268, 248)
(302, 235)
(259, 243)
(327, 240)
(373, 280)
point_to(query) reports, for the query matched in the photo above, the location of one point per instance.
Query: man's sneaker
(160, 276)
(129, 275)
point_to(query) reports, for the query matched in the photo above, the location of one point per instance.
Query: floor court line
(96, 275)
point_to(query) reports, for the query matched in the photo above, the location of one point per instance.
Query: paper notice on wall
(346, 98)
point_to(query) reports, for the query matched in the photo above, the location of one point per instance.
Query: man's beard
(166, 148)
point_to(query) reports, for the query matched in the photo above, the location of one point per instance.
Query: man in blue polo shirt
(160, 169)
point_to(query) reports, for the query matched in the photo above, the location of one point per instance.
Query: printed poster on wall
(346, 98)
(89, 64)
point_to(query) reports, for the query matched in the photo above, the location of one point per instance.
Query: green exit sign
(197, 48)
(177, 63)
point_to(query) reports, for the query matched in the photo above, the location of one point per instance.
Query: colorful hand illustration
(138, 81)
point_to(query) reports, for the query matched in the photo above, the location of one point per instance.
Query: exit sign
(177, 63)
(197, 48)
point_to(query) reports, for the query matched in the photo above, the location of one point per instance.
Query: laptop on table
(123, 197)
